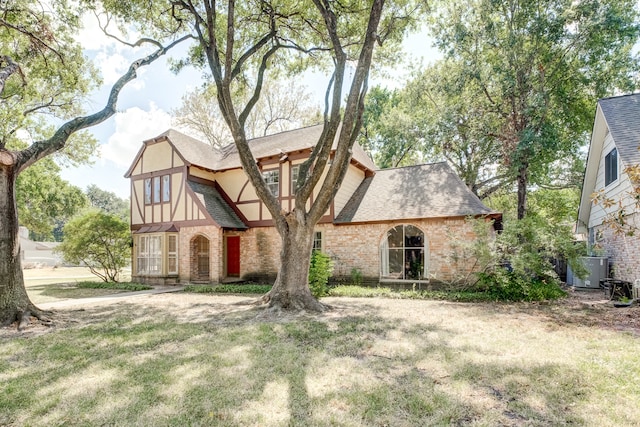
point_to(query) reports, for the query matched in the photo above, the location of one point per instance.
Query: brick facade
(187, 256)
(623, 252)
(352, 247)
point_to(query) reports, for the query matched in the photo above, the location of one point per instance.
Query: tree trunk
(15, 304)
(291, 289)
(523, 178)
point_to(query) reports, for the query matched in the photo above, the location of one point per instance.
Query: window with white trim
(317, 241)
(166, 188)
(611, 167)
(172, 254)
(403, 254)
(147, 191)
(149, 255)
(272, 179)
(295, 171)
(157, 189)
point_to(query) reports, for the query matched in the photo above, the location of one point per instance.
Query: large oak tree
(237, 43)
(42, 71)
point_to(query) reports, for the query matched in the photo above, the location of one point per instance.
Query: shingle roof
(412, 192)
(192, 150)
(622, 114)
(285, 142)
(216, 206)
(199, 153)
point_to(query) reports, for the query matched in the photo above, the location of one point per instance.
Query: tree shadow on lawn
(135, 364)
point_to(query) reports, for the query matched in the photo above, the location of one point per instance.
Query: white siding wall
(616, 190)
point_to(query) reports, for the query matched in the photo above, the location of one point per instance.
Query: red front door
(233, 256)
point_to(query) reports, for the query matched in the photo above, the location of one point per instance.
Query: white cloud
(133, 126)
(111, 66)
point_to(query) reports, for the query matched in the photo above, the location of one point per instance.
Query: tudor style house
(615, 144)
(195, 216)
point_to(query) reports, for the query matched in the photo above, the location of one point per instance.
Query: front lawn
(202, 359)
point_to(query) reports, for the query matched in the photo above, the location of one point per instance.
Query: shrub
(356, 277)
(320, 270)
(504, 285)
(98, 240)
(249, 288)
(114, 285)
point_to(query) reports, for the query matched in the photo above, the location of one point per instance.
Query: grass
(204, 360)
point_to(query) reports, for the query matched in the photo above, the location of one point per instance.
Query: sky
(145, 104)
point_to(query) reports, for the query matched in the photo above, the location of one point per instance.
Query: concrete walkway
(93, 300)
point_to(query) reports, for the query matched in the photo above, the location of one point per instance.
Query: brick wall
(358, 247)
(186, 256)
(623, 251)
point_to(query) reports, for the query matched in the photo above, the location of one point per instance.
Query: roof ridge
(413, 166)
(618, 96)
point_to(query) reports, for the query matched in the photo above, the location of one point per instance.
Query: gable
(616, 125)
(155, 156)
(412, 192)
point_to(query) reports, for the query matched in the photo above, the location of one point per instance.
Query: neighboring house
(195, 216)
(615, 143)
(33, 254)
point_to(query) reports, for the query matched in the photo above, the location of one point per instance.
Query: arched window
(403, 254)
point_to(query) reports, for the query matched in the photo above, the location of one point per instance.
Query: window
(166, 188)
(403, 254)
(317, 241)
(172, 254)
(611, 167)
(157, 189)
(147, 191)
(149, 256)
(272, 178)
(295, 170)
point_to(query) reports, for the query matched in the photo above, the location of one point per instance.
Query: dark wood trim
(157, 173)
(229, 202)
(177, 198)
(242, 190)
(409, 220)
(261, 223)
(135, 194)
(200, 180)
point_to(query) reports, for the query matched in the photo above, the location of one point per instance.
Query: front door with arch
(200, 259)
(233, 256)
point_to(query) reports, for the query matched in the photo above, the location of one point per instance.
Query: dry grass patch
(186, 359)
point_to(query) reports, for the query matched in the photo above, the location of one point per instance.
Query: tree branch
(40, 149)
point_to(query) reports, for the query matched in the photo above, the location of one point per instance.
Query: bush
(98, 240)
(249, 288)
(320, 270)
(503, 285)
(114, 285)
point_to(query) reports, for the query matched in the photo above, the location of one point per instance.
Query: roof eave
(596, 143)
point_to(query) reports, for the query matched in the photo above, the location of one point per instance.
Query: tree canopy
(42, 71)
(539, 67)
(281, 107)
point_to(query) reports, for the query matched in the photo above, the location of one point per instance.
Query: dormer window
(611, 167)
